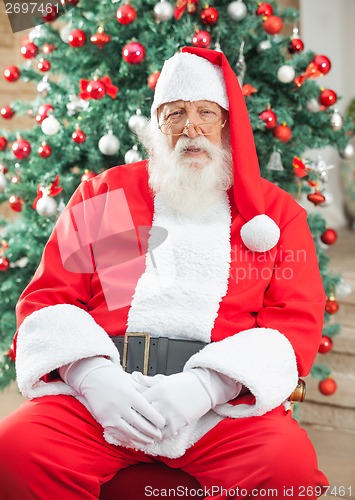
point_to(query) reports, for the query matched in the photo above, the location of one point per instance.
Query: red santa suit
(260, 313)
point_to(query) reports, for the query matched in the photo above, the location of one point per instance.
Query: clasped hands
(140, 410)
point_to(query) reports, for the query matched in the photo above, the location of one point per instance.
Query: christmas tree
(96, 64)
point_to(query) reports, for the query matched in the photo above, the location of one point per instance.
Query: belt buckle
(146, 337)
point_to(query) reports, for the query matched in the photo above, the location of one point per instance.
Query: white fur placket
(179, 293)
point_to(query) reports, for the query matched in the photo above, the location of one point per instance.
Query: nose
(190, 130)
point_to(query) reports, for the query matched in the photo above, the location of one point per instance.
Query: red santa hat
(201, 74)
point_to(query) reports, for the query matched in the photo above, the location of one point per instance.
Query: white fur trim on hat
(189, 78)
(260, 234)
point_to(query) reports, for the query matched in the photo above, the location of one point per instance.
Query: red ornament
(331, 305)
(273, 25)
(29, 50)
(88, 175)
(3, 143)
(295, 45)
(4, 263)
(126, 14)
(282, 132)
(325, 345)
(78, 136)
(265, 10)
(328, 97)
(44, 65)
(12, 73)
(327, 386)
(133, 53)
(100, 38)
(323, 64)
(15, 203)
(316, 198)
(209, 15)
(77, 38)
(43, 112)
(7, 112)
(329, 236)
(47, 48)
(44, 150)
(248, 89)
(152, 79)
(269, 117)
(21, 148)
(52, 12)
(202, 39)
(96, 89)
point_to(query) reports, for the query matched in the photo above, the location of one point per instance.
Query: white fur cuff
(52, 337)
(260, 358)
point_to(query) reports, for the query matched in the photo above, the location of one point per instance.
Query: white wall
(327, 27)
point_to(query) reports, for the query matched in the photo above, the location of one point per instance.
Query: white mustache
(201, 143)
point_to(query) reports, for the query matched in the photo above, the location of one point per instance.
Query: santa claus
(177, 302)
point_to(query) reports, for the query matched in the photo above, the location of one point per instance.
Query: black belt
(152, 355)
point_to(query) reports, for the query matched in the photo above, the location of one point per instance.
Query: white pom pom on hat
(208, 76)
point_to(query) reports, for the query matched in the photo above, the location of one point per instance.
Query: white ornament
(43, 87)
(132, 155)
(343, 289)
(50, 125)
(328, 198)
(109, 144)
(263, 46)
(76, 105)
(336, 120)
(138, 122)
(65, 32)
(348, 151)
(218, 47)
(46, 206)
(286, 73)
(237, 10)
(313, 105)
(36, 32)
(163, 11)
(3, 182)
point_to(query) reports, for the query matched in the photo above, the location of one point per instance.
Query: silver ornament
(285, 73)
(313, 105)
(138, 122)
(163, 11)
(348, 151)
(241, 66)
(237, 10)
(109, 144)
(46, 206)
(50, 125)
(132, 155)
(275, 162)
(336, 120)
(263, 46)
(65, 32)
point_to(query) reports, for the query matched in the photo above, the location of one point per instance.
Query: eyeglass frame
(187, 124)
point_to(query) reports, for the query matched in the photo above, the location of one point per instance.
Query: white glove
(114, 401)
(184, 397)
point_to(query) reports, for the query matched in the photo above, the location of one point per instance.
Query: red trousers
(51, 448)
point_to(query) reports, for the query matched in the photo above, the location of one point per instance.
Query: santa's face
(190, 162)
(183, 120)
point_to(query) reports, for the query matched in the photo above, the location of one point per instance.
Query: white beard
(187, 184)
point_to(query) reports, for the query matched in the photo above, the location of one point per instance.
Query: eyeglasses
(207, 128)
